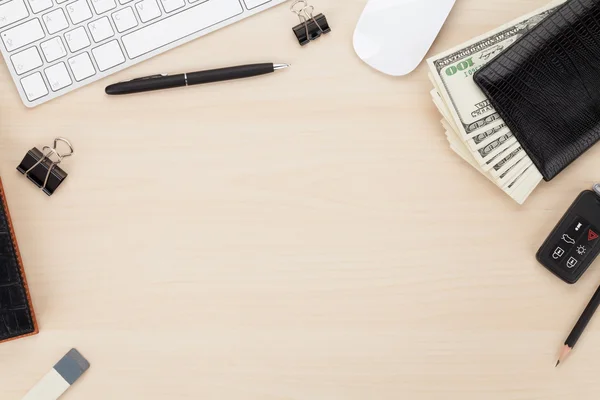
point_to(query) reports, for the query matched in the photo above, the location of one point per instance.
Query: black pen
(158, 82)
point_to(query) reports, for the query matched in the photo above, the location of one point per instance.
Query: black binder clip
(41, 167)
(310, 27)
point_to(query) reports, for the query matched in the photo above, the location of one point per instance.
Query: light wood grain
(303, 236)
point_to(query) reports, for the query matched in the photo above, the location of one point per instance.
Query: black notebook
(17, 318)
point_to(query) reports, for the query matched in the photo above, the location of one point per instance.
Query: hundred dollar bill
(505, 167)
(494, 157)
(519, 186)
(502, 164)
(524, 185)
(483, 139)
(514, 171)
(509, 164)
(489, 152)
(488, 148)
(439, 103)
(477, 141)
(453, 73)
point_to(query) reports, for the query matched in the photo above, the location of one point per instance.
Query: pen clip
(148, 77)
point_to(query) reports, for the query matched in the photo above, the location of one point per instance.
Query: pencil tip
(563, 354)
(280, 66)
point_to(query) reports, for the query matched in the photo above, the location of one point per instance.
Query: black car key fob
(575, 242)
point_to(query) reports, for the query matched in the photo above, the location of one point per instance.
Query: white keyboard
(52, 47)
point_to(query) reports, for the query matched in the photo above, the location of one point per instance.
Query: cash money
(474, 129)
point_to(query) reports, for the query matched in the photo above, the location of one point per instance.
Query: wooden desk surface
(303, 236)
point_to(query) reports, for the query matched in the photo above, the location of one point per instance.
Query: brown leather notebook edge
(21, 269)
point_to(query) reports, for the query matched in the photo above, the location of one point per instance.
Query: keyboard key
(26, 60)
(125, 1)
(12, 11)
(82, 66)
(147, 10)
(22, 35)
(102, 6)
(250, 4)
(101, 29)
(79, 11)
(172, 5)
(77, 39)
(58, 76)
(34, 86)
(55, 21)
(40, 5)
(124, 19)
(53, 49)
(108, 55)
(180, 25)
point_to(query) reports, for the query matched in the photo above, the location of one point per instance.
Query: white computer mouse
(393, 36)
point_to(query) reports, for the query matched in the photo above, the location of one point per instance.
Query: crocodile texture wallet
(546, 86)
(17, 318)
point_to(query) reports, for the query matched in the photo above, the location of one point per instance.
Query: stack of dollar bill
(473, 128)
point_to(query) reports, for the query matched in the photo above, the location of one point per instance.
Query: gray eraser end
(72, 366)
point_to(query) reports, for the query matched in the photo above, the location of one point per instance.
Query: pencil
(579, 327)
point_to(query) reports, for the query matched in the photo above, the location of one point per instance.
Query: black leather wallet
(546, 86)
(17, 318)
